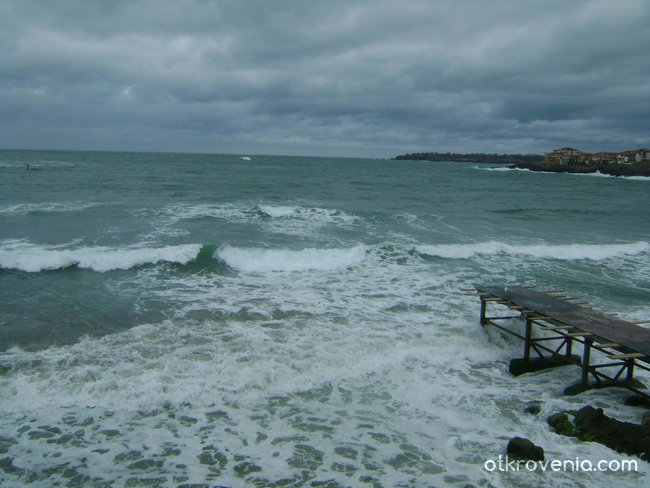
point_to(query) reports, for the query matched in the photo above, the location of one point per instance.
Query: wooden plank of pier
(604, 328)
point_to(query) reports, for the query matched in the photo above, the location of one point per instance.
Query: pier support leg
(483, 310)
(569, 346)
(586, 353)
(527, 341)
(630, 369)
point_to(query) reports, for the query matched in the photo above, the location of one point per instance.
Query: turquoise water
(169, 319)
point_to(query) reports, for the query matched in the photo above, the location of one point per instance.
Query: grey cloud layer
(341, 77)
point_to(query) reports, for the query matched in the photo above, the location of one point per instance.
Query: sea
(175, 320)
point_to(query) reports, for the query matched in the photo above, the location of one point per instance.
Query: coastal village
(568, 156)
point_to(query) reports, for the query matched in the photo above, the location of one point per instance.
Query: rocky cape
(473, 158)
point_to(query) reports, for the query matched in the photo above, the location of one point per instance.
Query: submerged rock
(561, 424)
(522, 448)
(533, 408)
(637, 401)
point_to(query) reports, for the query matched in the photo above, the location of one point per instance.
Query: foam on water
(26, 256)
(596, 174)
(26, 208)
(567, 252)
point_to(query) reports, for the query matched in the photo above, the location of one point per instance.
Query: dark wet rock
(579, 387)
(561, 424)
(533, 408)
(522, 448)
(592, 425)
(637, 401)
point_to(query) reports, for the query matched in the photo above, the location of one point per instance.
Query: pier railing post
(630, 369)
(483, 311)
(586, 353)
(527, 341)
(569, 346)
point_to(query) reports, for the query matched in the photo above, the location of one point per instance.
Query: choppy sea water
(176, 319)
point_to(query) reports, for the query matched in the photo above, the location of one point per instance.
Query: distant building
(572, 156)
(564, 156)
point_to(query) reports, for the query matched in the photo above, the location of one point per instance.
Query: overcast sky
(329, 77)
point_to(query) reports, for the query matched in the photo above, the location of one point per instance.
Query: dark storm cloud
(339, 77)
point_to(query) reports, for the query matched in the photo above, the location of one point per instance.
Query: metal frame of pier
(625, 344)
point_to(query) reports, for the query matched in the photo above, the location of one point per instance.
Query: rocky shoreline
(639, 169)
(589, 424)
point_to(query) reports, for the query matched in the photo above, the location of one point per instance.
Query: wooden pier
(567, 322)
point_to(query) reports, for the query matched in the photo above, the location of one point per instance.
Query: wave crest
(266, 260)
(29, 257)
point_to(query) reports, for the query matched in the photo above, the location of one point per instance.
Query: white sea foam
(596, 174)
(498, 168)
(25, 208)
(567, 252)
(265, 260)
(26, 256)
(278, 211)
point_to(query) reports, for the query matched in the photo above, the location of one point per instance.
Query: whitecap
(26, 256)
(266, 260)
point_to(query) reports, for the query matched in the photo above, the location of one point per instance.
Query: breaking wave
(265, 260)
(567, 252)
(26, 256)
(278, 211)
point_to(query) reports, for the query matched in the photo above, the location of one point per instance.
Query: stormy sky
(369, 78)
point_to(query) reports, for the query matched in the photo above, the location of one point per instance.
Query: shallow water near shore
(169, 319)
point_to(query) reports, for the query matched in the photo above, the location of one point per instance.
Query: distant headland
(634, 162)
(474, 158)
